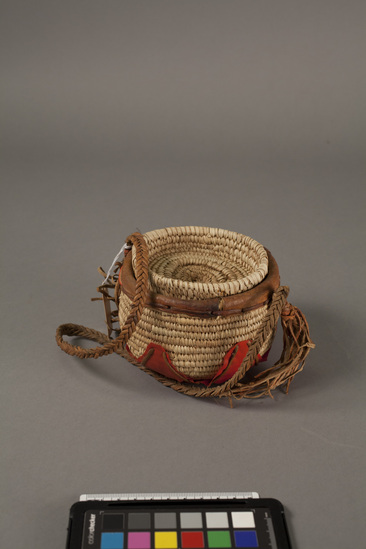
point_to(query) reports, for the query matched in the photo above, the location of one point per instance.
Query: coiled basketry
(197, 308)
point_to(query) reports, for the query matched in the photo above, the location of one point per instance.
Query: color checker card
(236, 524)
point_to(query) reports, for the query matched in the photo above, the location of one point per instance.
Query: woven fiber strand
(177, 292)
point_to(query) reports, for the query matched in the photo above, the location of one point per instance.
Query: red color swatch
(192, 540)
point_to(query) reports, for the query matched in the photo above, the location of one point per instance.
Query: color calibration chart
(178, 528)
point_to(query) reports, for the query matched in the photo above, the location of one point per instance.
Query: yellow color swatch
(166, 540)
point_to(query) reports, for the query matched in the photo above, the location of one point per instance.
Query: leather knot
(288, 312)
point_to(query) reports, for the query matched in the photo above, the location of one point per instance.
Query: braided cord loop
(109, 346)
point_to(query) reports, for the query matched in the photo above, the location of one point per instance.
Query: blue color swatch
(246, 538)
(112, 540)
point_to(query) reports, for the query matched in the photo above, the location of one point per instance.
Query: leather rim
(250, 300)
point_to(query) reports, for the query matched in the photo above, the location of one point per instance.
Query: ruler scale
(169, 496)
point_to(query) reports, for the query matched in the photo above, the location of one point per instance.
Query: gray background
(248, 116)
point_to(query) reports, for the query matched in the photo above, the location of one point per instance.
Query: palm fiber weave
(197, 308)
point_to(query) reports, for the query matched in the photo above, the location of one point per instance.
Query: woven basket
(197, 308)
